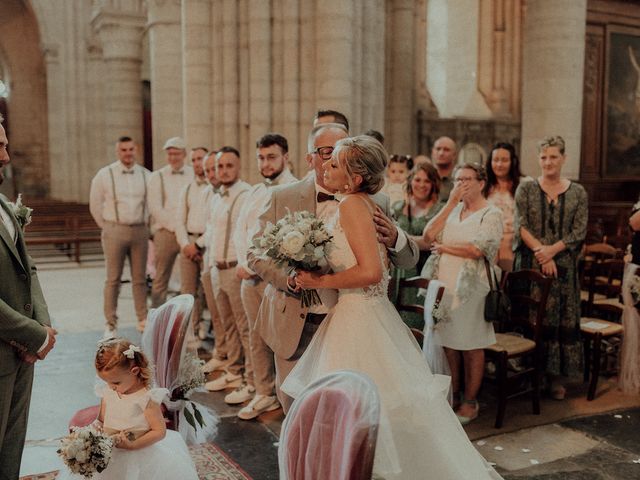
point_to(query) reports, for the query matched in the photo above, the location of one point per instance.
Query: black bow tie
(128, 172)
(325, 197)
(177, 172)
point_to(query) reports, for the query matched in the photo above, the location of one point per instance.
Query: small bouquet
(22, 212)
(298, 240)
(191, 376)
(86, 451)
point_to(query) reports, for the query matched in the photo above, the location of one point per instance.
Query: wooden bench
(63, 225)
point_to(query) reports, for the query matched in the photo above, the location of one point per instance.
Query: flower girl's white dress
(166, 459)
(419, 435)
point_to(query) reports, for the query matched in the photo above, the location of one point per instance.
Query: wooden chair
(339, 412)
(603, 280)
(413, 282)
(602, 324)
(519, 338)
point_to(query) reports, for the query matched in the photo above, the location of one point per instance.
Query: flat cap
(175, 142)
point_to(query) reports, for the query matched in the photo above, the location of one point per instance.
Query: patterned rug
(211, 463)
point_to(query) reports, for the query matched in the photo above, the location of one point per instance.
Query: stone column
(119, 28)
(196, 72)
(165, 50)
(260, 73)
(400, 127)
(552, 79)
(334, 55)
(452, 58)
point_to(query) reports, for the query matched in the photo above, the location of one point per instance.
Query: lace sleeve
(489, 233)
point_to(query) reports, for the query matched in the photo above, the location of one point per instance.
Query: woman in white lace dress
(465, 233)
(419, 435)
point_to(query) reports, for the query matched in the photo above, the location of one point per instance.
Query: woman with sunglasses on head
(503, 178)
(550, 226)
(412, 215)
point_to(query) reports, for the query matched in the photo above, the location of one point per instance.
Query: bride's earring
(346, 189)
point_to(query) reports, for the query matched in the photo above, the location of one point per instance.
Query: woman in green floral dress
(550, 228)
(423, 187)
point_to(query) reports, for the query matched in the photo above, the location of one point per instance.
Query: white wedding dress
(419, 435)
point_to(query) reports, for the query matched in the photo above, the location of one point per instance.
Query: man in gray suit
(25, 331)
(285, 326)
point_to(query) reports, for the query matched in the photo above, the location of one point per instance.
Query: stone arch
(23, 66)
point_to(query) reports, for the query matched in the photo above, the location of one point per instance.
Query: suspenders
(115, 196)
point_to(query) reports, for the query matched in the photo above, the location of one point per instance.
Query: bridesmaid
(550, 228)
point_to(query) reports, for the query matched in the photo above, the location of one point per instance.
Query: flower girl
(130, 412)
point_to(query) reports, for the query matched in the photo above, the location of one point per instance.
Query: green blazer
(23, 310)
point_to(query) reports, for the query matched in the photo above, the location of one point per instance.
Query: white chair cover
(629, 381)
(331, 429)
(165, 341)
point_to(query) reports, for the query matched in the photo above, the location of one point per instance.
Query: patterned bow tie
(128, 172)
(178, 172)
(224, 194)
(325, 197)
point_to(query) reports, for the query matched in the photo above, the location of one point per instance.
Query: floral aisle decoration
(86, 450)
(190, 378)
(299, 240)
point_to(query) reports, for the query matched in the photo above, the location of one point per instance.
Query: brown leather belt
(226, 265)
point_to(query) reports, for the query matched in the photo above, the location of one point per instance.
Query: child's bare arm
(157, 431)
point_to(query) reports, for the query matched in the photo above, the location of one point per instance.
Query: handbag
(497, 305)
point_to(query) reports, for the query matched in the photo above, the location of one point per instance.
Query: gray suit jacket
(23, 310)
(281, 318)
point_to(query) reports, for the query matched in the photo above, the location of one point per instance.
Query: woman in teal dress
(412, 215)
(550, 227)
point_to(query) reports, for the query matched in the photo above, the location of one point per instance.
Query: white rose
(292, 243)
(318, 253)
(320, 236)
(81, 456)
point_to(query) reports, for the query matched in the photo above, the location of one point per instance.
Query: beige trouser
(285, 365)
(220, 329)
(252, 291)
(190, 283)
(167, 249)
(226, 288)
(118, 243)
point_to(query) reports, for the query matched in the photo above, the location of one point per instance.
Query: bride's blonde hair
(363, 156)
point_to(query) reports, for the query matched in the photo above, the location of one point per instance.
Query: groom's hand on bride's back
(386, 229)
(52, 332)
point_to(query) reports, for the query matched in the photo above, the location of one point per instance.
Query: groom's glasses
(324, 152)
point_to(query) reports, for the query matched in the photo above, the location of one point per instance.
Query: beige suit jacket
(281, 317)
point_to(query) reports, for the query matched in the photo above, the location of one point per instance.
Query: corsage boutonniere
(22, 212)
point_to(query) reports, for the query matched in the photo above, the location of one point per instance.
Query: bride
(419, 435)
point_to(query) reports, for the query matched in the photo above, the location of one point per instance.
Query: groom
(25, 331)
(284, 325)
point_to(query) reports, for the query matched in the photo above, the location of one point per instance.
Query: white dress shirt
(248, 224)
(8, 223)
(164, 202)
(221, 245)
(192, 211)
(118, 195)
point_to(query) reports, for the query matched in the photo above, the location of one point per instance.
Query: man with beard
(223, 259)
(25, 330)
(272, 154)
(190, 229)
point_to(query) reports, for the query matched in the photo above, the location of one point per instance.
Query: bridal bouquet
(86, 451)
(22, 212)
(190, 377)
(298, 240)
